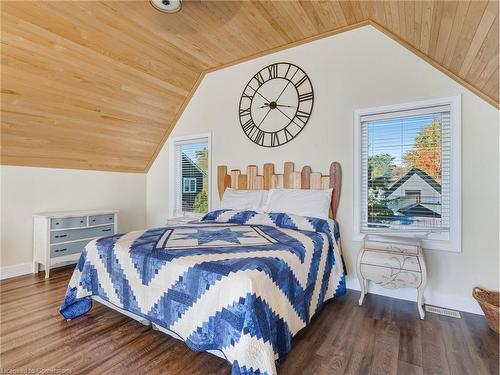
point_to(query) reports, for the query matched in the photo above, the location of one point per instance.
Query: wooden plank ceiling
(98, 85)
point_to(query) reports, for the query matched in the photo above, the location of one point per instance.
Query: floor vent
(442, 311)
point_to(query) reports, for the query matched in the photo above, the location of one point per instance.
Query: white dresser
(59, 237)
(392, 263)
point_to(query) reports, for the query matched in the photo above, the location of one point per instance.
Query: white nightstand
(392, 263)
(181, 220)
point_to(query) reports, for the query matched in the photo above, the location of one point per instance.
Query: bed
(238, 283)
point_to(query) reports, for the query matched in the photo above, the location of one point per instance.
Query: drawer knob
(106, 230)
(62, 235)
(59, 250)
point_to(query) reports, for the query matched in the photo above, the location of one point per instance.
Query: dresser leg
(420, 303)
(47, 270)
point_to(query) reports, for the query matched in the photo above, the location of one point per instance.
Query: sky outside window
(396, 136)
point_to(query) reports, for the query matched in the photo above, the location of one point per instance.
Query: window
(189, 185)
(414, 195)
(190, 172)
(407, 171)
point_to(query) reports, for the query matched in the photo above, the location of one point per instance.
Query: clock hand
(287, 106)
(278, 105)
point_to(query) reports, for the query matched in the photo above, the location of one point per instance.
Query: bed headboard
(306, 179)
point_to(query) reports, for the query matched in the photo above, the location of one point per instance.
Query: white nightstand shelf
(392, 263)
(182, 220)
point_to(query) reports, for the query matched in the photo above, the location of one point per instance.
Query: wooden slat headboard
(306, 179)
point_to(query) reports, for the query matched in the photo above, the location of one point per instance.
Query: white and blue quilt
(240, 282)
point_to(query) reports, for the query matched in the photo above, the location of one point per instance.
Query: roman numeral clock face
(276, 104)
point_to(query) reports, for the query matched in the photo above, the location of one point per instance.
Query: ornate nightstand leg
(364, 290)
(421, 288)
(362, 297)
(420, 302)
(362, 281)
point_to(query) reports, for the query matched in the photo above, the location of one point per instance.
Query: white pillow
(234, 199)
(303, 202)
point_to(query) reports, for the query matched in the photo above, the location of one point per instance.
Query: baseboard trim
(430, 297)
(16, 270)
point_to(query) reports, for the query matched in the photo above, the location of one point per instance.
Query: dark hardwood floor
(384, 336)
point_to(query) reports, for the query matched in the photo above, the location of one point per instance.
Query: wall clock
(276, 104)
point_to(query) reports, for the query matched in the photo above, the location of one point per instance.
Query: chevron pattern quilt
(240, 282)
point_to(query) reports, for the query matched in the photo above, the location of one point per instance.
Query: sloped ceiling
(99, 84)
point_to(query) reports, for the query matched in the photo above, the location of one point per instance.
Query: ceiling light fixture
(167, 6)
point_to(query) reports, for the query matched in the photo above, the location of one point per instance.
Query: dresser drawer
(392, 260)
(392, 247)
(101, 219)
(76, 234)
(67, 248)
(391, 278)
(68, 222)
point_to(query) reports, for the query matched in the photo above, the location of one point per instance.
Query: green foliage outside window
(200, 204)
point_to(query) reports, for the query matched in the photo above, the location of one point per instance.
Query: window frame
(445, 241)
(171, 191)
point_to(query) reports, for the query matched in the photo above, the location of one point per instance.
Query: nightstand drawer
(101, 219)
(391, 278)
(68, 222)
(76, 234)
(68, 248)
(392, 247)
(392, 260)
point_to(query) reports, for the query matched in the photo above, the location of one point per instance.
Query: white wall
(26, 190)
(358, 69)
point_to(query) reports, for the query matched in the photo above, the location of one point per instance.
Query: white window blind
(191, 176)
(405, 170)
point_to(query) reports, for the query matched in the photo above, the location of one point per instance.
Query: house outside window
(190, 174)
(407, 172)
